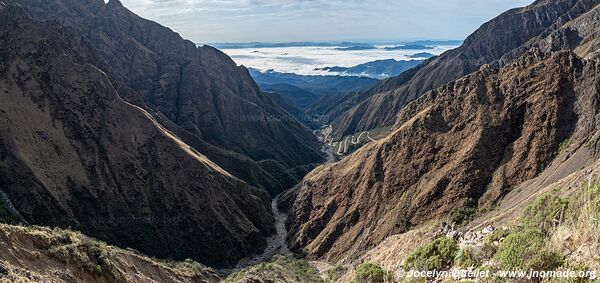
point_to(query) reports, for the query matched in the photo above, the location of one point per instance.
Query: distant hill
(321, 85)
(299, 94)
(379, 69)
(356, 48)
(425, 55)
(409, 47)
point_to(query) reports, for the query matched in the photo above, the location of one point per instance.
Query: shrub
(438, 254)
(291, 269)
(525, 250)
(335, 273)
(545, 213)
(466, 258)
(564, 145)
(465, 213)
(372, 273)
(495, 236)
(87, 254)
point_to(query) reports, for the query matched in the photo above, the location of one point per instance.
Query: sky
(212, 21)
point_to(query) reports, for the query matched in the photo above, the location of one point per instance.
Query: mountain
(74, 154)
(302, 95)
(356, 48)
(434, 42)
(507, 33)
(295, 101)
(298, 97)
(425, 55)
(465, 144)
(379, 69)
(462, 145)
(197, 93)
(321, 85)
(409, 47)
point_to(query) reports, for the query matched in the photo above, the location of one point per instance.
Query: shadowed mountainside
(198, 93)
(73, 153)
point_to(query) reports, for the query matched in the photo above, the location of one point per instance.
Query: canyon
(161, 161)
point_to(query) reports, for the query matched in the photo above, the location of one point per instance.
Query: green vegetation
(333, 274)
(585, 207)
(564, 145)
(280, 268)
(545, 213)
(189, 267)
(436, 255)
(466, 258)
(526, 247)
(465, 213)
(525, 250)
(496, 236)
(87, 254)
(372, 273)
(547, 229)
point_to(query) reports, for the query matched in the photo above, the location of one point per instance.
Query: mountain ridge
(494, 39)
(197, 92)
(462, 145)
(73, 153)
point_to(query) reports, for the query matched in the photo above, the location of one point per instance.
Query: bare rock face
(73, 153)
(513, 32)
(471, 139)
(198, 93)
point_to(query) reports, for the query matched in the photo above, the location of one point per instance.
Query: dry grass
(579, 235)
(41, 254)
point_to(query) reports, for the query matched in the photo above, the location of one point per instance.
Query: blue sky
(209, 21)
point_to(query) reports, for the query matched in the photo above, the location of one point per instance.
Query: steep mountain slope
(73, 153)
(462, 145)
(198, 93)
(38, 254)
(492, 41)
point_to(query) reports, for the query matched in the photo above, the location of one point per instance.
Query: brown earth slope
(466, 143)
(515, 30)
(37, 254)
(198, 93)
(73, 153)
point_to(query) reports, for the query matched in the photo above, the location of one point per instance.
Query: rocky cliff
(460, 147)
(198, 93)
(513, 32)
(73, 153)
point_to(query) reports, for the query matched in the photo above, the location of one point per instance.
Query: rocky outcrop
(464, 144)
(514, 32)
(198, 93)
(73, 153)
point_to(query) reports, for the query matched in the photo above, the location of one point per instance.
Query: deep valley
(130, 154)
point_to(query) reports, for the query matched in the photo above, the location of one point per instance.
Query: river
(276, 244)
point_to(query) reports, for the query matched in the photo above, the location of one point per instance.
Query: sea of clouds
(304, 60)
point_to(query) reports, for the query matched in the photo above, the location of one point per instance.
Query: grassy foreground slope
(39, 254)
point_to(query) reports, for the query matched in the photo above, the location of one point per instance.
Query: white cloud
(301, 20)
